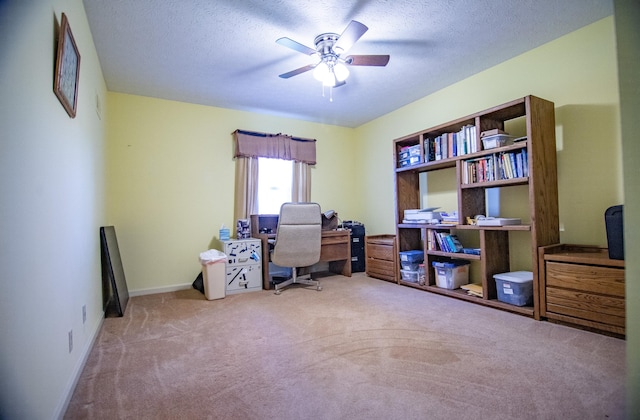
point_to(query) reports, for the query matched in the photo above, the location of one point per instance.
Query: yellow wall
(171, 168)
(578, 73)
(171, 180)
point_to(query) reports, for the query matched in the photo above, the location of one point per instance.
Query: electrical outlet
(84, 313)
(70, 341)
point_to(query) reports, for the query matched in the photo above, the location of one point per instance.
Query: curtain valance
(278, 146)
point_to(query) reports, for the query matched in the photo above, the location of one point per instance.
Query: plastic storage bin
(451, 275)
(416, 256)
(515, 288)
(497, 140)
(410, 275)
(410, 266)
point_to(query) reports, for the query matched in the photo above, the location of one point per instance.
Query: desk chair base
(306, 279)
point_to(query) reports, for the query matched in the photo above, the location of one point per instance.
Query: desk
(335, 249)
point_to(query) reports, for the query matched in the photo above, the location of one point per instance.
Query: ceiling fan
(331, 69)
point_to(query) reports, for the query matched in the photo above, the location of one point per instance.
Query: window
(292, 183)
(274, 184)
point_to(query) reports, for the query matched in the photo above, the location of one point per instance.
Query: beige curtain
(278, 146)
(246, 188)
(301, 189)
(251, 145)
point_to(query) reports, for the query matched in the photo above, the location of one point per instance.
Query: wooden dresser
(381, 257)
(581, 285)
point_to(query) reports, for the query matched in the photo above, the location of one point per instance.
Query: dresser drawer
(381, 269)
(381, 257)
(382, 250)
(588, 306)
(587, 278)
(583, 286)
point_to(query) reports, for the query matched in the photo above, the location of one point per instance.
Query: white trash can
(213, 273)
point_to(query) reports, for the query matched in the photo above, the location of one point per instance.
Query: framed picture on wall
(67, 72)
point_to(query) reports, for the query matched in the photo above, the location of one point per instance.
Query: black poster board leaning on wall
(115, 294)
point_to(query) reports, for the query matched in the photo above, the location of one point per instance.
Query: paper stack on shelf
(427, 215)
(449, 218)
(473, 289)
(497, 221)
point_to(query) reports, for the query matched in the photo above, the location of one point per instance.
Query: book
(455, 243)
(438, 237)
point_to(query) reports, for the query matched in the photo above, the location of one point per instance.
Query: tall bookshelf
(532, 120)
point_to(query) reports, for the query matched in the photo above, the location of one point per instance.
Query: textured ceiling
(223, 53)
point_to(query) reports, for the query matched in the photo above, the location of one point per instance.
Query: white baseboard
(165, 289)
(77, 371)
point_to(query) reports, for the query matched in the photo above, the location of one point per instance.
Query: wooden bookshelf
(537, 173)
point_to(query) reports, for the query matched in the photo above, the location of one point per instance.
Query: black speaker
(357, 245)
(615, 235)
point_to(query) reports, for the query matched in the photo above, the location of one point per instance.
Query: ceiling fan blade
(294, 45)
(367, 60)
(340, 84)
(351, 34)
(297, 71)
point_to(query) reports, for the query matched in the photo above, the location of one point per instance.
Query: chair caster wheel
(319, 288)
(277, 292)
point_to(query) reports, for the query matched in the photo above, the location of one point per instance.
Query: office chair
(298, 240)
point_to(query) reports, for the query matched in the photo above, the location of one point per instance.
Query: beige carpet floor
(360, 349)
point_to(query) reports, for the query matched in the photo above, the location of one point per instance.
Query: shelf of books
(507, 148)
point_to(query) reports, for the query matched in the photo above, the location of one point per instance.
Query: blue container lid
(414, 252)
(412, 256)
(449, 264)
(515, 276)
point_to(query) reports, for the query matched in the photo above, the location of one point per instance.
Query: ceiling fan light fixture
(321, 71)
(330, 79)
(341, 71)
(331, 70)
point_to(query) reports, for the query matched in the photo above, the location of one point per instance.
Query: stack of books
(443, 241)
(448, 145)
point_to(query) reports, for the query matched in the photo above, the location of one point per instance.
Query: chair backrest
(299, 235)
